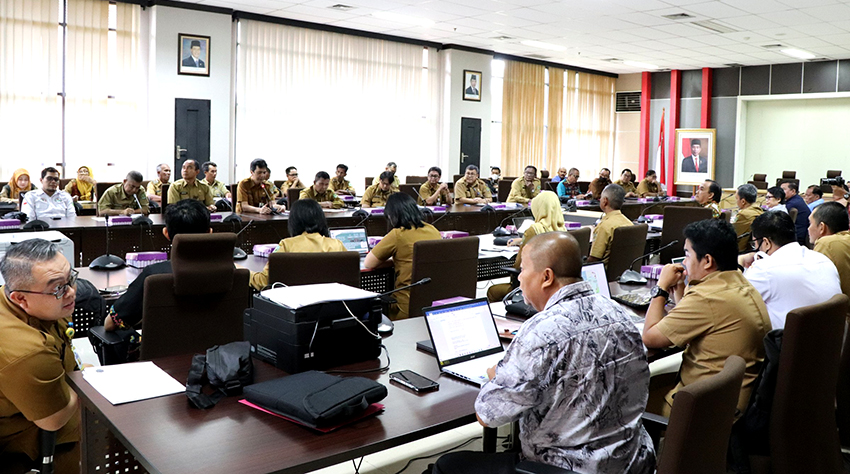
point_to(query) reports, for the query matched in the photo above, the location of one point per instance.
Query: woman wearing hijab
(548, 217)
(20, 182)
(82, 187)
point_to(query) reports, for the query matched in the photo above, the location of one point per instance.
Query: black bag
(229, 368)
(316, 399)
(115, 347)
(756, 419)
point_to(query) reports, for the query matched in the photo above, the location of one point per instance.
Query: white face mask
(494, 176)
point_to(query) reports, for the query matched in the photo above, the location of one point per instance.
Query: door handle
(179, 151)
(463, 157)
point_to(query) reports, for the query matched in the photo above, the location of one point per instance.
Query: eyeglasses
(293, 174)
(51, 179)
(435, 176)
(60, 290)
(756, 243)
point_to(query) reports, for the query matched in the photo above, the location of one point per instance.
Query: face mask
(494, 177)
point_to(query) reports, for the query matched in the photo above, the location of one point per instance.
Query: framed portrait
(472, 85)
(694, 155)
(194, 55)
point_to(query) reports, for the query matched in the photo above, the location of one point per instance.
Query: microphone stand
(238, 253)
(631, 276)
(644, 220)
(107, 261)
(512, 215)
(387, 324)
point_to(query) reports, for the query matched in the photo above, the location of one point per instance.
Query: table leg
(489, 442)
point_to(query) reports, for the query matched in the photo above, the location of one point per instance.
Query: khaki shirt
(198, 191)
(471, 191)
(427, 190)
(341, 185)
(287, 184)
(597, 186)
(217, 188)
(718, 316)
(398, 244)
(303, 243)
(374, 197)
(116, 198)
(627, 187)
(715, 209)
(645, 187)
(253, 195)
(327, 196)
(521, 193)
(742, 225)
(155, 187)
(35, 355)
(836, 247)
(603, 234)
(396, 184)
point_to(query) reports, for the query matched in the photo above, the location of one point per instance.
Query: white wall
(456, 62)
(627, 129)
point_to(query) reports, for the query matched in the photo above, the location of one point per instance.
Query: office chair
(675, 220)
(582, 234)
(164, 197)
(411, 190)
(292, 195)
(200, 303)
(842, 397)
(504, 190)
(420, 180)
(308, 268)
(452, 266)
(368, 181)
(101, 188)
(627, 244)
(792, 213)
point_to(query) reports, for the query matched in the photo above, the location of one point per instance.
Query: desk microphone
(441, 217)
(364, 215)
(645, 220)
(500, 231)
(631, 276)
(271, 200)
(238, 253)
(141, 219)
(107, 261)
(387, 324)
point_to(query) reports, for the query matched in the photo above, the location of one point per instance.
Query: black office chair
(627, 244)
(307, 268)
(675, 220)
(582, 235)
(452, 266)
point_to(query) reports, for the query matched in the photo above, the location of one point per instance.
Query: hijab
(83, 187)
(13, 184)
(548, 216)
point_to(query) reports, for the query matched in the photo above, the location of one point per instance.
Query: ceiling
(595, 32)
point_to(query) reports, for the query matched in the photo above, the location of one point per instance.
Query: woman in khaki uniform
(408, 229)
(310, 230)
(548, 217)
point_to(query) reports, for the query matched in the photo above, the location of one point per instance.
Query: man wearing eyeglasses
(35, 354)
(433, 192)
(292, 181)
(48, 202)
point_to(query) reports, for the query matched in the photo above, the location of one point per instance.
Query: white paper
(304, 295)
(124, 383)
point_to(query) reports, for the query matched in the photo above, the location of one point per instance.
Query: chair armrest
(531, 467)
(655, 420)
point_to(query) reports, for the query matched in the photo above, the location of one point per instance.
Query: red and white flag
(659, 153)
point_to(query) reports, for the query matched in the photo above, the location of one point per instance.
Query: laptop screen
(462, 331)
(353, 238)
(594, 273)
(522, 224)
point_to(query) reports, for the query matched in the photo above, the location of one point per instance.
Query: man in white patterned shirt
(575, 376)
(49, 202)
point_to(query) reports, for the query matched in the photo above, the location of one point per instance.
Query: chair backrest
(198, 305)
(324, 267)
(758, 184)
(583, 186)
(792, 213)
(760, 177)
(544, 174)
(292, 195)
(779, 181)
(64, 182)
(701, 419)
(675, 220)
(833, 173)
(504, 189)
(803, 430)
(101, 188)
(164, 197)
(279, 182)
(789, 174)
(727, 216)
(552, 186)
(627, 244)
(368, 181)
(411, 190)
(415, 179)
(582, 234)
(842, 396)
(452, 265)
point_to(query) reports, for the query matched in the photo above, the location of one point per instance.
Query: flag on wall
(659, 153)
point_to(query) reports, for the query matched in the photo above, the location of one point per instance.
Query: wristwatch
(657, 291)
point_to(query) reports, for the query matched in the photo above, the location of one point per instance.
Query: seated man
(648, 187)
(493, 181)
(829, 230)
(339, 184)
(433, 192)
(612, 201)
(48, 202)
(320, 193)
(292, 181)
(376, 195)
(626, 182)
(569, 187)
(708, 196)
(813, 196)
(124, 199)
(793, 200)
(525, 188)
(154, 191)
(36, 304)
(471, 190)
(790, 276)
(599, 184)
(719, 313)
(184, 217)
(392, 168)
(575, 376)
(747, 212)
(217, 188)
(190, 187)
(560, 176)
(253, 194)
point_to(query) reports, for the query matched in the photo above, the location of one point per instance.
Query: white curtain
(313, 99)
(588, 123)
(30, 79)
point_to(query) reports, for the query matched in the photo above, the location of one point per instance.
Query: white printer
(66, 245)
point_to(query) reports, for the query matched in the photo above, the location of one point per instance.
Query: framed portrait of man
(194, 55)
(695, 149)
(472, 85)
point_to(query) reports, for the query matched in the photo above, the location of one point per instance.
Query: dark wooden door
(470, 143)
(191, 132)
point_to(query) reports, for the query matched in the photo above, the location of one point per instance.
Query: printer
(66, 245)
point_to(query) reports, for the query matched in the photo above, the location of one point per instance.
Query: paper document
(304, 295)
(124, 383)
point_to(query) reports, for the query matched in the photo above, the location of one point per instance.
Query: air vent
(341, 7)
(734, 65)
(713, 26)
(628, 101)
(677, 16)
(503, 38)
(773, 46)
(537, 56)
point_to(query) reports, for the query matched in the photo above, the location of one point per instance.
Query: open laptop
(522, 224)
(353, 238)
(594, 273)
(465, 339)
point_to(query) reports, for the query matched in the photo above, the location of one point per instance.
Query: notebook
(465, 339)
(594, 273)
(353, 238)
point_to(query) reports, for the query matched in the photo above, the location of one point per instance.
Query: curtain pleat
(556, 120)
(588, 123)
(523, 128)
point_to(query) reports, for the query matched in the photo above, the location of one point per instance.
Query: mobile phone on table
(413, 381)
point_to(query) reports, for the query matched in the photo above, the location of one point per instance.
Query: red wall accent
(675, 99)
(645, 93)
(707, 83)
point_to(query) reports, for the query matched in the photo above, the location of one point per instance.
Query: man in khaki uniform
(708, 196)
(433, 192)
(36, 304)
(217, 188)
(611, 202)
(154, 190)
(748, 211)
(829, 229)
(526, 188)
(648, 187)
(190, 187)
(292, 181)
(376, 195)
(319, 192)
(719, 314)
(598, 184)
(253, 194)
(339, 184)
(124, 198)
(392, 168)
(471, 190)
(626, 182)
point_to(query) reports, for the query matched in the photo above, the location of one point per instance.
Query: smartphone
(413, 381)
(677, 259)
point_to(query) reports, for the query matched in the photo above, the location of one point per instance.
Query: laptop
(594, 273)
(522, 224)
(465, 339)
(353, 238)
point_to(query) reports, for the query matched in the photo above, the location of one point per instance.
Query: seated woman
(310, 230)
(408, 229)
(773, 200)
(82, 188)
(548, 217)
(20, 182)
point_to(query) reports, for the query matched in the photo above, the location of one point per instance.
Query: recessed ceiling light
(542, 45)
(677, 16)
(640, 65)
(798, 53)
(341, 7)
(411, 20)
(713, 26)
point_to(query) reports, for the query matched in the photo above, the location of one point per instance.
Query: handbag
(229, 369)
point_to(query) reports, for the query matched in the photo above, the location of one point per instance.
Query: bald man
(575, 376)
